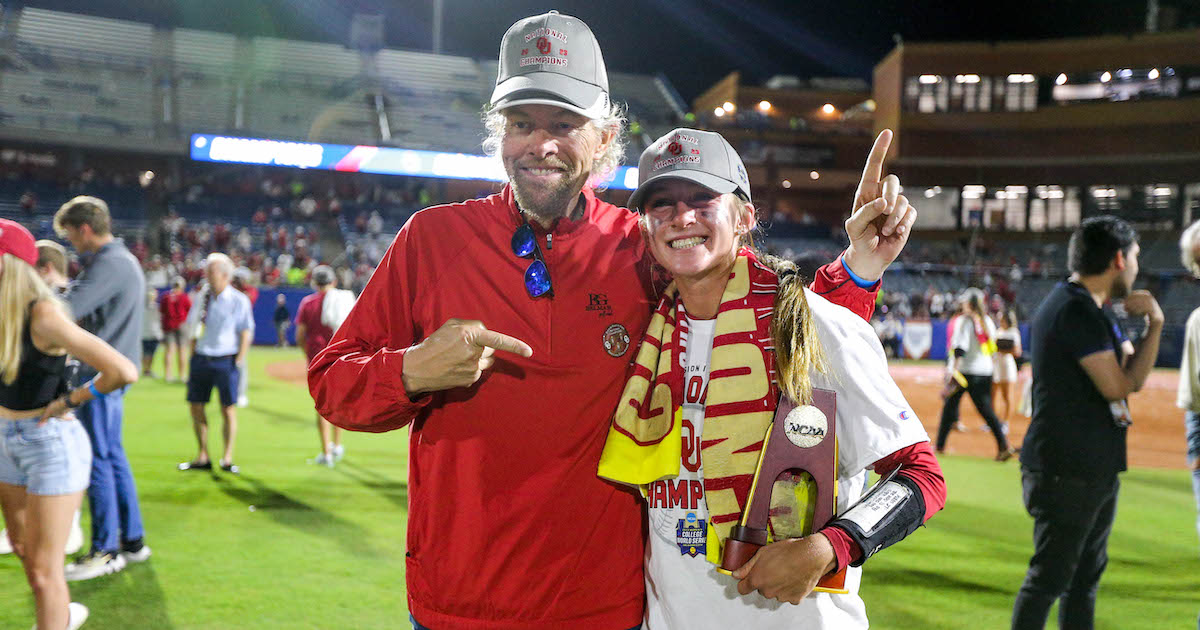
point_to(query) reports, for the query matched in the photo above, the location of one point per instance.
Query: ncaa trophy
(801, 439)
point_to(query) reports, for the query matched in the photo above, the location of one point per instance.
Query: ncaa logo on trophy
(805, 426)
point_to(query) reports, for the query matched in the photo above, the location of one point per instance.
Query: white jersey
(974, 361)
(683, 590)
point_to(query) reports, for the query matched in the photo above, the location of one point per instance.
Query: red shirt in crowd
(316, 334)
(174, 308)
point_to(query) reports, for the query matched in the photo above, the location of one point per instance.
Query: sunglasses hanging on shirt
(537, 275)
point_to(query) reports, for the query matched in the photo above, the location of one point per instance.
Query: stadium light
(362, 159)
(929, 79)
(728, 107)
(718, 112)
(787, 183)
(966, 78)
(814, 175)
(828, 108)
(929, 193)
(1153, 74)
(1061, 80)
(764, 106)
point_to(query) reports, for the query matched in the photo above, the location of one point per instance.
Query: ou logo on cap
(806, 426)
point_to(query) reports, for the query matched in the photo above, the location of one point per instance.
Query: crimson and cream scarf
(644, 441)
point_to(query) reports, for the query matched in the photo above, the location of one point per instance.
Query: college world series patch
(691, 534)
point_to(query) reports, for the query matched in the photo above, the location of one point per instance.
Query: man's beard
(545, 204)
(1119, 288)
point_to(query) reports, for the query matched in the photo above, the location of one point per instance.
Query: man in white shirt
(222, 324)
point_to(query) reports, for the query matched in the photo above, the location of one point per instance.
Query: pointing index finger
(873, 171)
(493, 339)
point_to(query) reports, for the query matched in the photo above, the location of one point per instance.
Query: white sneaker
(135, 557)
(75, 538)
(324, 460)
(243, 401)
(339, 452)
(94, 565)
(5, 545)
(76, 614)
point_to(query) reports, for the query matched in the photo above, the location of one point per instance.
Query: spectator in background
(296, 275)
(1008, 348)
(152, 331)
(243, 281)
(1075, 447)
(313, 333)
(937, 303)
(52, 265)
(270, 273)
(972, 343)
(282, 319)
(28, 203)
(222, 325)
(173, 311)
(244, 241)
(45, 458)
(893, 331)
(1189, 368)
(156, 274)
(107, 299)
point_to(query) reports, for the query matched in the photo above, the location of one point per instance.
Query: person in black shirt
(282, 319)
(1075, 446)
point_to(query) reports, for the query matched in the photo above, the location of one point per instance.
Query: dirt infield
(1156, 438)
(290, 371)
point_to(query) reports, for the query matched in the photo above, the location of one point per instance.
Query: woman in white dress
(1004, 380)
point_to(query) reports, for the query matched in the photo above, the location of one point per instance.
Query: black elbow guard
(959, 353)
(888, 513)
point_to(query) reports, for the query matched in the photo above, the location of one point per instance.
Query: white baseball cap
(552, 59)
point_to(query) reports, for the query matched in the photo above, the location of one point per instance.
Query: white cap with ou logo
(552, 59)
(704, 157)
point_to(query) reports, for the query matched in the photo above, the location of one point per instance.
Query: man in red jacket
(174, 306)
(509, 526)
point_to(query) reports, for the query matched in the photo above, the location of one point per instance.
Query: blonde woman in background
(1004, 378)
(972, 344)
(45, 454)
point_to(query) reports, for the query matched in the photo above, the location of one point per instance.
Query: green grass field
(325, 548)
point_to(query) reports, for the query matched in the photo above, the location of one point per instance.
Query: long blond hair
(20, 286)
(798, 349)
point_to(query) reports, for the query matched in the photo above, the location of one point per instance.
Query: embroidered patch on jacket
(616, 340)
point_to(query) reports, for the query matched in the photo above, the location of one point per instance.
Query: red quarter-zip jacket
(509, 528)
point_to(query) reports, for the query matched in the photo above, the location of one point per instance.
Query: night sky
(694, 42)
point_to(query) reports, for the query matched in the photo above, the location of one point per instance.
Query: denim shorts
(1192, 423)
(51, 459)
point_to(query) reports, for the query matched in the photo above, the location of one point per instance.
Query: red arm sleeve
(355, 380)
(921, 466)
(834, 284)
